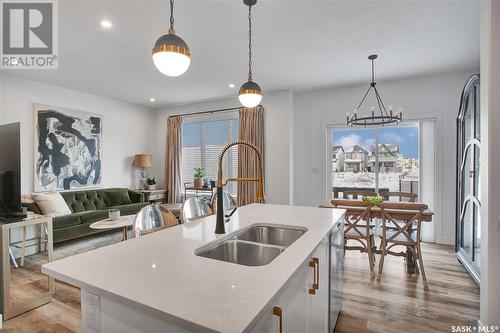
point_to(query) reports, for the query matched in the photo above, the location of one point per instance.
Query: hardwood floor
(398, 303)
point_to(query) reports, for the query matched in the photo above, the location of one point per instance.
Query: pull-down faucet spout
(219, 228)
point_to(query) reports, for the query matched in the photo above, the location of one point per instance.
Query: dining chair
(401, 235)
(195, 208)
(358, 227)
(148, 220)
(399, 196)
(356, 194)
(168, 217)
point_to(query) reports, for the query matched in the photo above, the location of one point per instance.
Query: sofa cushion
(51, 204)
(83, 201)
(65, 221)
(117, 197)
(92, 216)
(130, 209)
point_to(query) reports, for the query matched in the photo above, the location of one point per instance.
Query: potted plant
(151, 183)
(199, 173)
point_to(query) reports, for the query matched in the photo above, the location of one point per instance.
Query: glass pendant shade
(250, 94)
(171, 54)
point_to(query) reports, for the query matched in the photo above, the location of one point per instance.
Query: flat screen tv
(10, 170)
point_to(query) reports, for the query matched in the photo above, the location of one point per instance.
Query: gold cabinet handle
(317, 272)
(277, 312)
(314, 263)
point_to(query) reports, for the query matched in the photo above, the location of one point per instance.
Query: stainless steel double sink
(254, 246)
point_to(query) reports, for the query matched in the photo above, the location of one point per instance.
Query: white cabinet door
(268, 323)
(293, 303)
(317, 302)
(301, 311)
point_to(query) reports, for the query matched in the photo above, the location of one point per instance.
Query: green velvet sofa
(89, 206)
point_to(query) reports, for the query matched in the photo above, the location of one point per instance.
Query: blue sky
(405, 137)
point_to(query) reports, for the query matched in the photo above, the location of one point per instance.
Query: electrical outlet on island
(92, 311)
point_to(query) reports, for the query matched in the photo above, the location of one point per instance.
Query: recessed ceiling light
(231, 85)
(152, 99)
(106, 24)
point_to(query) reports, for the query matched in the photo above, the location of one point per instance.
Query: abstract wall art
(68, 149)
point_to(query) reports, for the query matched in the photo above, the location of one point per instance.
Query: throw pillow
(51, 204)
(117, 198)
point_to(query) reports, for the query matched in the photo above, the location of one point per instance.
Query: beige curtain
(173, 158)
(251, 130)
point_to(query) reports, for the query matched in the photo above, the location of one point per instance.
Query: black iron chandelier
(382, 117)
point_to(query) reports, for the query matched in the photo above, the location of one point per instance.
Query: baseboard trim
(445, 241)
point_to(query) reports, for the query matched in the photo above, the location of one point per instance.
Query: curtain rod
(209, 111)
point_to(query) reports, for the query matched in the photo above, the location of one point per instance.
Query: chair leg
(421, 265)
(383, 245)
(14, 262)
(370, 254)
(374, 247)
(380, 246)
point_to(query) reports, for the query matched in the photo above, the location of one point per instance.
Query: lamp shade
(143, 161)
(171, 54)
(250, 94)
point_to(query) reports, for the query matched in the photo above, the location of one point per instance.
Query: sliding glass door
(375, 159)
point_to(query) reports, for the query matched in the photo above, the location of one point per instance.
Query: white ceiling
(298, 45)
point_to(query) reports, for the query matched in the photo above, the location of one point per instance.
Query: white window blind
(202, 140)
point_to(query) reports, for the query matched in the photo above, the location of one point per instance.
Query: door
(293, 303)
(468, 201)
(318, 291)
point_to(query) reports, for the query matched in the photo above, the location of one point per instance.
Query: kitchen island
(158, 283)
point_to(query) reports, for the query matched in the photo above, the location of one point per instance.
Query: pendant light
(171, 54)
(250, 93)
(382, 116)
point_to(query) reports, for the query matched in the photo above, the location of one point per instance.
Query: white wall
(126, 127)
(278, 149)
(490, 163)
(432, 97)
(1, 98)
(295, 133)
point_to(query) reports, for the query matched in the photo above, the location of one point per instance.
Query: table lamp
(143, 161)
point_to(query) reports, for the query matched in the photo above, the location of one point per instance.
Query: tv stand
(12, 216)
(42, 225)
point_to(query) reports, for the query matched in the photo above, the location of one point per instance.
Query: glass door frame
(330, 128)
(464, 146)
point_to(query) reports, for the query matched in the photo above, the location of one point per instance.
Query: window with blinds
(202, 140)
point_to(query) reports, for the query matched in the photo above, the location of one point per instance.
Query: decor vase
(197, 182)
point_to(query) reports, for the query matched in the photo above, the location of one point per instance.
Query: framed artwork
(67, 149)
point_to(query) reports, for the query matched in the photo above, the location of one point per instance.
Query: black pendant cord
(373, 71)
(171, 14)
(249, 43)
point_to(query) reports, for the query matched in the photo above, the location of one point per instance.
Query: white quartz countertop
(159, 273)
